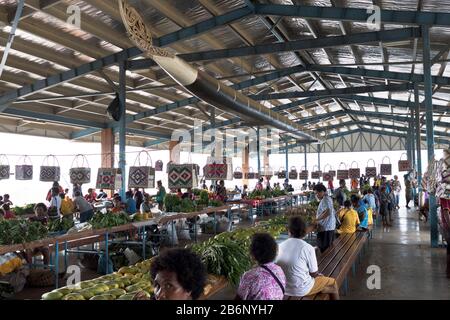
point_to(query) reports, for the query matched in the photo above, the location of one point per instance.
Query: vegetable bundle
(21, 231)
(58, 225)
(109, 220)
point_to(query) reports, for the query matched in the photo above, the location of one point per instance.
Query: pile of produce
(266, 194)
(20, 211)
(121, 285)
(171, 202)
(142, 216)
(21, 231)
(60, 225)
(227, 254)
(109, 220)
(215, 203)
(224, 257)
(203, 198)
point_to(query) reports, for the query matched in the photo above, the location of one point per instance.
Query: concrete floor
(409, 268)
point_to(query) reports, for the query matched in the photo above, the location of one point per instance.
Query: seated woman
(40, 215)
(118, 206)
(298, 260)
(361, 209)
(5, 211)
(146, 206)
(177, 274)
(349, 219)
(266, 281)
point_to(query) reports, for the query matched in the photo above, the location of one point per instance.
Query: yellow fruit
(112, 284)
(54, 295)
(124, 270)
(116, 292)
(63, 290)
(127, 296)
(87, 293)
(73, 296)
(103, 297)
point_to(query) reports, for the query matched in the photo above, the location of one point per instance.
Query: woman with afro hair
(177, 274)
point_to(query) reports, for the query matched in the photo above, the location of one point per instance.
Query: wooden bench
(337, 260)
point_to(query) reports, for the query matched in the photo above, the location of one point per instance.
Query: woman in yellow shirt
(349, 219)
(67, 206)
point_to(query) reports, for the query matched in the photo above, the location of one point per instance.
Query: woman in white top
(55, 203)
(298, 260)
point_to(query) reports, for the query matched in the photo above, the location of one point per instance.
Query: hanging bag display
(159, 165)
(237, 174)
(371, 172)
(215, 171)
(182, 176)
(50, 173)
(303, 175)
(24, 171)
(342, 173)
(315, 174)
(354, 173)
(81, 173)
(327, 176)
(109, 178)
(386, 168)
(142, 176)
(4, 167)
(226, 163)
(404, 165)
(251, 174)
(267, 172)
(282, 173)
(293, 174)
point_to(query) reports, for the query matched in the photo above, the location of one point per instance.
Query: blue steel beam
(434, 234)
(185, 102)
(324, 42)
(401, 76)
(379, 125)
(392, 102)
(294, 104)
(333, 92)
(363, 130)
(354, 14)
(54, 118)
(124, 55)
(377, 115)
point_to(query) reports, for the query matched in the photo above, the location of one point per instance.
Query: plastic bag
(101, 269)
(17, 279)
(131, 256)
(223, 224)
(172, 233)
(182, 230)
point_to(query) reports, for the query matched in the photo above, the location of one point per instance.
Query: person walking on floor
(325, 218)
(160, 195)
(384, 204)
(339, 194)
(408, 190)
(397, 190)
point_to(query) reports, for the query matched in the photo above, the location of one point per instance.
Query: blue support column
(287, 159)
(258, 151)
(122, 126)
(306, 164)
(429, 127)
(418, 139)
(318, 157)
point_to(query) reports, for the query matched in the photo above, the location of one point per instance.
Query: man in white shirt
(298, 260)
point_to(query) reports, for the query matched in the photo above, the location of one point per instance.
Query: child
(67, 206)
